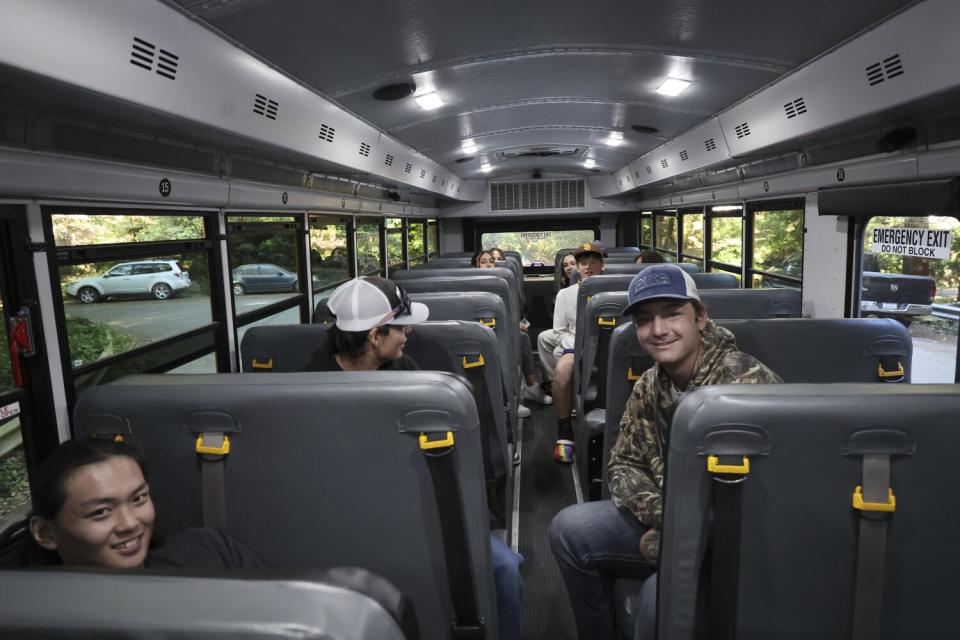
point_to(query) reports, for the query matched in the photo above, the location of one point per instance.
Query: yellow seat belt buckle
(479, 362)
(118, 438)
(896, 373)
(217, 450)
(256, 364)
(889, 506)
(489, 322)
(607, 322)
(631, 376)
(714, 466)
(426, 443)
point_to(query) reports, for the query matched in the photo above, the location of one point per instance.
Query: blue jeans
(594, 544)
(506, 578)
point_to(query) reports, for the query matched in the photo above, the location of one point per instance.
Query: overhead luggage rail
(843, 429)
(294, 492)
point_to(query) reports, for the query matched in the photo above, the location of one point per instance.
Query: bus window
(646, 230)
(415, 242)
(433, 239)
(920, 291)
(329, 254)
(537, 248)
(81, 229)
(14, 489)
(287, 316)
(692, 226)
(665, 234)
(395, 261)
(369, 257)
(203, 364)
(777, 246)
(726, 239)
(263, 261)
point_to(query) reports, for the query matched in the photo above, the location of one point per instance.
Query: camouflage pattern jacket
(636, 468)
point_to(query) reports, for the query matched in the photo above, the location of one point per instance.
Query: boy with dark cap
(596, 542)
(556, 347)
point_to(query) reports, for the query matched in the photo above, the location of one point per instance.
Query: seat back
(282, 348)
(66, 604)
(617, 268)
(623, 251)
(797, 349)
(507, 273)
(799, 532)
(324, 469)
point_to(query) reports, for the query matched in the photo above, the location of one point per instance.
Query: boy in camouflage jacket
(597, 542)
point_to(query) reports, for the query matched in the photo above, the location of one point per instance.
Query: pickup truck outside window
(919, 292)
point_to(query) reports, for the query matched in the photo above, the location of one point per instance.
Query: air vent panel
(886, 69)
(147, 55)
(408, 168)
(742, 130)
(423, 174)
(263, 106)
(142, 54)
(388, 160)
(327, 132)
(649, 171)
(710, 144)
(537, 195)
(167, 64)
(684, 156)
(364, 149)
(664, 163)
(796, 108)
(434, 181)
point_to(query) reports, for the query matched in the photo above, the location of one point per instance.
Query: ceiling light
(589, 163)
(468, 147)
(486, 168)
(429, 101)
(615, 139)
(673, 87)
(727, 207)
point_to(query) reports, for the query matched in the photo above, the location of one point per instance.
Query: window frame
(530, 224)
(715, 265)
(768, 206)
(664, 214)
(682, 215)
(324, 219)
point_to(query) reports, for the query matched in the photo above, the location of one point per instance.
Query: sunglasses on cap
(402, 309)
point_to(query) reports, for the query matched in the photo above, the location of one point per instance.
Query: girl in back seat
(92, 507)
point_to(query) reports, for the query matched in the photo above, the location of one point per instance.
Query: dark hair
(475, 260)
(648, 256)
(498, 250)
(49, 484)
(564, 278)
(351, 344)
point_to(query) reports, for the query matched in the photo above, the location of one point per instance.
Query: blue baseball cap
(660, 281)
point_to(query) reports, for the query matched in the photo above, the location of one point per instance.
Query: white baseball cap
(364, 303)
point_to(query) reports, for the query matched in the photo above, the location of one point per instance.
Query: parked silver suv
(160, 279)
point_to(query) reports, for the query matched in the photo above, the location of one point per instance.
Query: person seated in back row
(596, 542)
(483, 259)
(373, 317)
(556, 347)
(649, 256)
(92, 507)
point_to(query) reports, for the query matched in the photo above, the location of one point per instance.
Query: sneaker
(563, 451)
(534, 393)
(523, 412)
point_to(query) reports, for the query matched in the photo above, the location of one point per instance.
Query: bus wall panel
(257, 196)
(188, 72)
(824, 262)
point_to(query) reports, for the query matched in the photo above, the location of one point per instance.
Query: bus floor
(545, 488)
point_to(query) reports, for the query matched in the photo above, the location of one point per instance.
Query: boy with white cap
(596, 542)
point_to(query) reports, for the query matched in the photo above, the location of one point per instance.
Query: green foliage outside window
(415, 242)
(538, 247)
(777, 235)
(727, 240)
(75, 230)
(368, 248)
(666, 232)
(693, 234)
(329, 257)
(394, 242)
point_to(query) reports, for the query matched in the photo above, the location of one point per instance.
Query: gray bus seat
(507, 273)
(450, 348)
(602, 316)
(809, 447)
(67, 604)
(617, 268)
(491, 283)
(323, 469)
(623, 251)
(456, 254)
(469, 349)
(798, 349)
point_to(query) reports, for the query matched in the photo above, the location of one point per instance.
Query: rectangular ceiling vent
(443, 183)
(684, 156)
(886, 69)
(326, 133)
(434, 181)
(742, 130)
(388, 160)
(423, 174)
(664, 163)
(536, 195)
(263, 106)
(619, 182)
(710, 144)
(144, 54)
(636, 175)
(649, 171)
(408, 168)
(796, 108)
(364, 149)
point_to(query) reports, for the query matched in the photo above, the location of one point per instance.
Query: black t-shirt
(203, 548)
(323, 360)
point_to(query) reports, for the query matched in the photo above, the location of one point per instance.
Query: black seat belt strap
(213, 449)
(607, 325)
(494, 466)
(875, 501)
(725, 559)
(439, 454)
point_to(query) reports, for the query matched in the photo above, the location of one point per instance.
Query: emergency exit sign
(919, 243)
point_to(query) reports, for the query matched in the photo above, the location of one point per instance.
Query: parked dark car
(262, 278)
(894, 295)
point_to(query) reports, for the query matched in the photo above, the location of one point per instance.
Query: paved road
(151, 320)
(933, 361)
